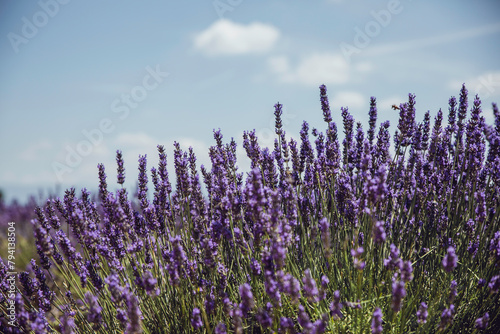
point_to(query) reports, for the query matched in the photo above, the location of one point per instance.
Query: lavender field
(382, 229)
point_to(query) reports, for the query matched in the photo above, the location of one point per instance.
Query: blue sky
(81, 79)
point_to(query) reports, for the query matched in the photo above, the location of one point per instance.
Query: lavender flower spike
(447, 317)
(422, 313)
(450, 260)
(221, 328)
(377, 321)
(379, 234)
(94, 310)
(398, 292)
(325, 106)
(196, 318)
(336, 306)
(310, 289)
(482, 323)
(247, 302)
(134, 314)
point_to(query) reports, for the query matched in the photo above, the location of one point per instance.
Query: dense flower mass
(330, 231)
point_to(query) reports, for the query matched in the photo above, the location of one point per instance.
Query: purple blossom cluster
(330, 219)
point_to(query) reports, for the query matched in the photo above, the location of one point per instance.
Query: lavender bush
(318, 237)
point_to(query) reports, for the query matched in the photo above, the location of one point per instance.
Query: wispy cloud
(351, 99)
(485, 85)
(314, 69)
(420, 43)
(225, 37)
(32, 152)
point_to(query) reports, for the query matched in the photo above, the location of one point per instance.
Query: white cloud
(135, 140)
(32, 153)
(363, 67)
(485, 85)
(279, 64)
(224, 37)
(351, 99)
(420, 43)
(315, 69)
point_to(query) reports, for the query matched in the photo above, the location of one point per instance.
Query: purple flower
(495, 246)
(482, 323)
(447, 317)
(426, 130)
(325, 106)
(473, 247)
(285, 324)
(255, 266)
(407, 271)
(381, 151)
(121, 316)
(319, 326)
(247, 302)
(29, 285)
(221, 328)
(450, 260)
(336, 306)
(324, 281)
(291, 287)
(373, 119)
(277, 113)
(304, 320)
(94, 276)
(398, 293)
(134, 314)
(114, 287)
(324, 227)
(39, 323)
(422, 313)
(148, 283)
(393, 262)
(361, 238)
(310, 289)
(355, 305)
(94, 309)
(53, 219)
(278, 251)
(67, 323)
(494, 284)
(271, 286)
(453, 291)
(356, 254)
(42, 239)
(379, 234)
(377, 321)
(324, 287)
(237, 323)
(103, 186)
(264, 319)
(45, 295)
(196, 318)
(142, 192)
(120, 175)
(176, 259)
